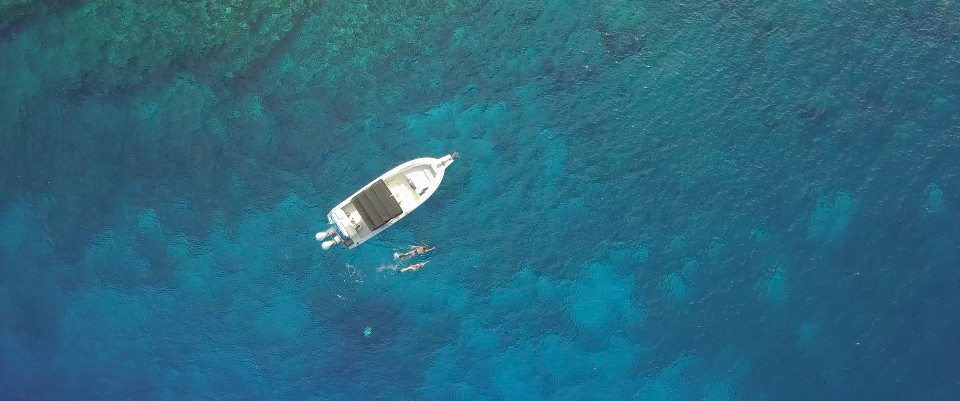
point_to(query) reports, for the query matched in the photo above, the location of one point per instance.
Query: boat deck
(384, 201)
(372, 209)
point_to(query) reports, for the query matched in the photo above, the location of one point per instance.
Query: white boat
(384, 201)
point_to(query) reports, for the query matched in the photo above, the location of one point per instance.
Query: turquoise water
(654, 200)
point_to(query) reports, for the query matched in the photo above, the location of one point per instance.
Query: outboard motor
(327, 244)
(324, 234)
(331, 242)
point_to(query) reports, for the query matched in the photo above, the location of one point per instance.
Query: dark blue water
(654, 200)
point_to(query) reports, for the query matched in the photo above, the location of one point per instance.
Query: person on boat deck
(414, 267)
(414, 251)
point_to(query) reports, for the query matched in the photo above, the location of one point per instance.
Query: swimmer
(414, 251)
(414, 267)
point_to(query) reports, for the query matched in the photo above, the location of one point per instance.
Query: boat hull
(384, 201)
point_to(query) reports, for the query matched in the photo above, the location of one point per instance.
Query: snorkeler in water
(414, 251)
(414, 267)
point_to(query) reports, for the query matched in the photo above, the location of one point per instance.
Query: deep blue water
(658, 200)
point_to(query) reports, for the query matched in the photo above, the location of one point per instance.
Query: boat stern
(338, 231)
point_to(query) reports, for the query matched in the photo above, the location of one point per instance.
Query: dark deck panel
(376, 205)
(389, 202)
(367, 212)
